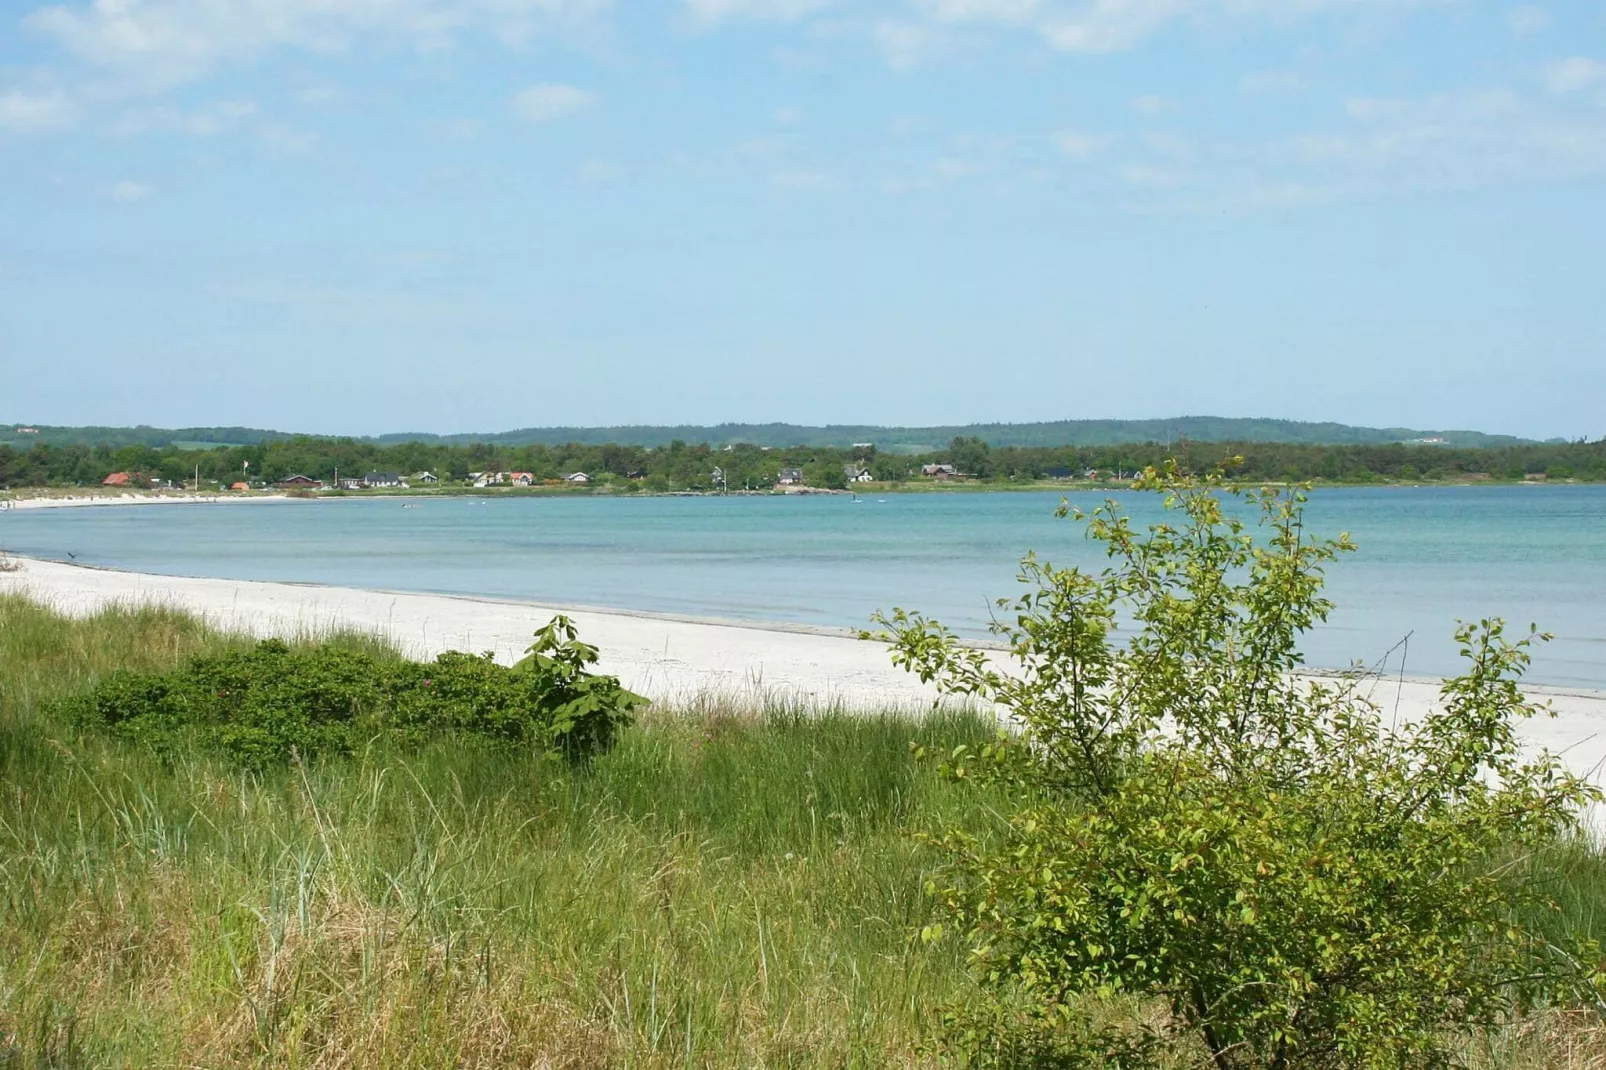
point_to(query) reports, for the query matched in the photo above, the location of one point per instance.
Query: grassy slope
(721, 891)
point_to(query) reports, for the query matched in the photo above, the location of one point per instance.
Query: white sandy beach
(73, 501)
(665, 658)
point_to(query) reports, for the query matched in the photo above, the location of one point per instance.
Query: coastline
(668, 658)
(46, 500)
(80, 501)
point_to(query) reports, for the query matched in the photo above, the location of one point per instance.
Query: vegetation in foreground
(1281, 875)
(721, 888)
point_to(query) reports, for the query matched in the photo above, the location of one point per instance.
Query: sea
(1427, 557)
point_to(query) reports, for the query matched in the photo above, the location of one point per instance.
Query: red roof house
(116, 479)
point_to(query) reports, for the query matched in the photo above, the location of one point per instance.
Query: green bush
(262, 704)
(1286, 878)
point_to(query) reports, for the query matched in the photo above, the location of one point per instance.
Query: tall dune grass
(724, 889)
(727, 888)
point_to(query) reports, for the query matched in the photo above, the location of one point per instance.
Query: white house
(577, 477)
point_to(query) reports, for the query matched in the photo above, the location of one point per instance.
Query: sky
(365, 216)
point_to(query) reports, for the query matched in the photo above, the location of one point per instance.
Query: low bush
(263, 704)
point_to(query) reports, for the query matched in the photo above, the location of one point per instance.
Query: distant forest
(907, 440)
(685, 466)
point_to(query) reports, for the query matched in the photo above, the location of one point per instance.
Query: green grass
(723, 889)
(726, 888)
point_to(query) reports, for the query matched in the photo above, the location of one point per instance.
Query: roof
(116, 479)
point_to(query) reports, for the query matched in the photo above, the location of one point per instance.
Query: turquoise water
(1427, 556)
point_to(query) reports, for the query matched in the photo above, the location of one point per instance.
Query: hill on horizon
(888, 439)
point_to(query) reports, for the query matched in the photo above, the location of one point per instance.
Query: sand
(668, 658)
(71, 501)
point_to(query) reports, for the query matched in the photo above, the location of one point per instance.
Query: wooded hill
(905, 440)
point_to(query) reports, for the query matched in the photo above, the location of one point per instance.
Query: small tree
(1293, 882)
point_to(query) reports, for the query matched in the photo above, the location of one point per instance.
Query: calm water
(1427, 556)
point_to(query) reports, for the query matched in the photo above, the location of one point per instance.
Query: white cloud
(281, 139)
(1528, 19)
(208, 121)
(772, 10)
(1258, 82)
(1100, 26)
(982, 10)
(952, 167)
(1448, 141)
(160, 43)
(459, 128)
(598, 172)
(907, 44)
(803, 180)
(127, 192)
(1110, 25)
(1079, 146)
(35, 113)
(1150, 104)
(1147, 175)
(543, 103)
(1574, 75)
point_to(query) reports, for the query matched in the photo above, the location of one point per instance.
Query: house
(116, 479)
(940, 471)
(382, 479)
(424, 478)
(577, 477)
(27, 430)
(520, 479)
(717, 477)
(1059, 471)
(857, 473)
(299, 480)
(239, 486)
(790, 476)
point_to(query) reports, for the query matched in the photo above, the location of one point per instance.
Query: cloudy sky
(378, 215)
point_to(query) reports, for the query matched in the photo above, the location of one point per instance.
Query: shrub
(262, 704)
(1288, 879)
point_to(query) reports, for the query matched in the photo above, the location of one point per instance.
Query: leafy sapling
(1247, 859)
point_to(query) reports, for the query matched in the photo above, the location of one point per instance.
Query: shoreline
(84, 501)
(50, 501)
(665, 657)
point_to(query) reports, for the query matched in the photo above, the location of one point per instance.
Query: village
(789, 480)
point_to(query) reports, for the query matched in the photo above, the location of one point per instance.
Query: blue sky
(377, 215)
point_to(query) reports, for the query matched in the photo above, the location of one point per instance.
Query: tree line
(691, 466)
